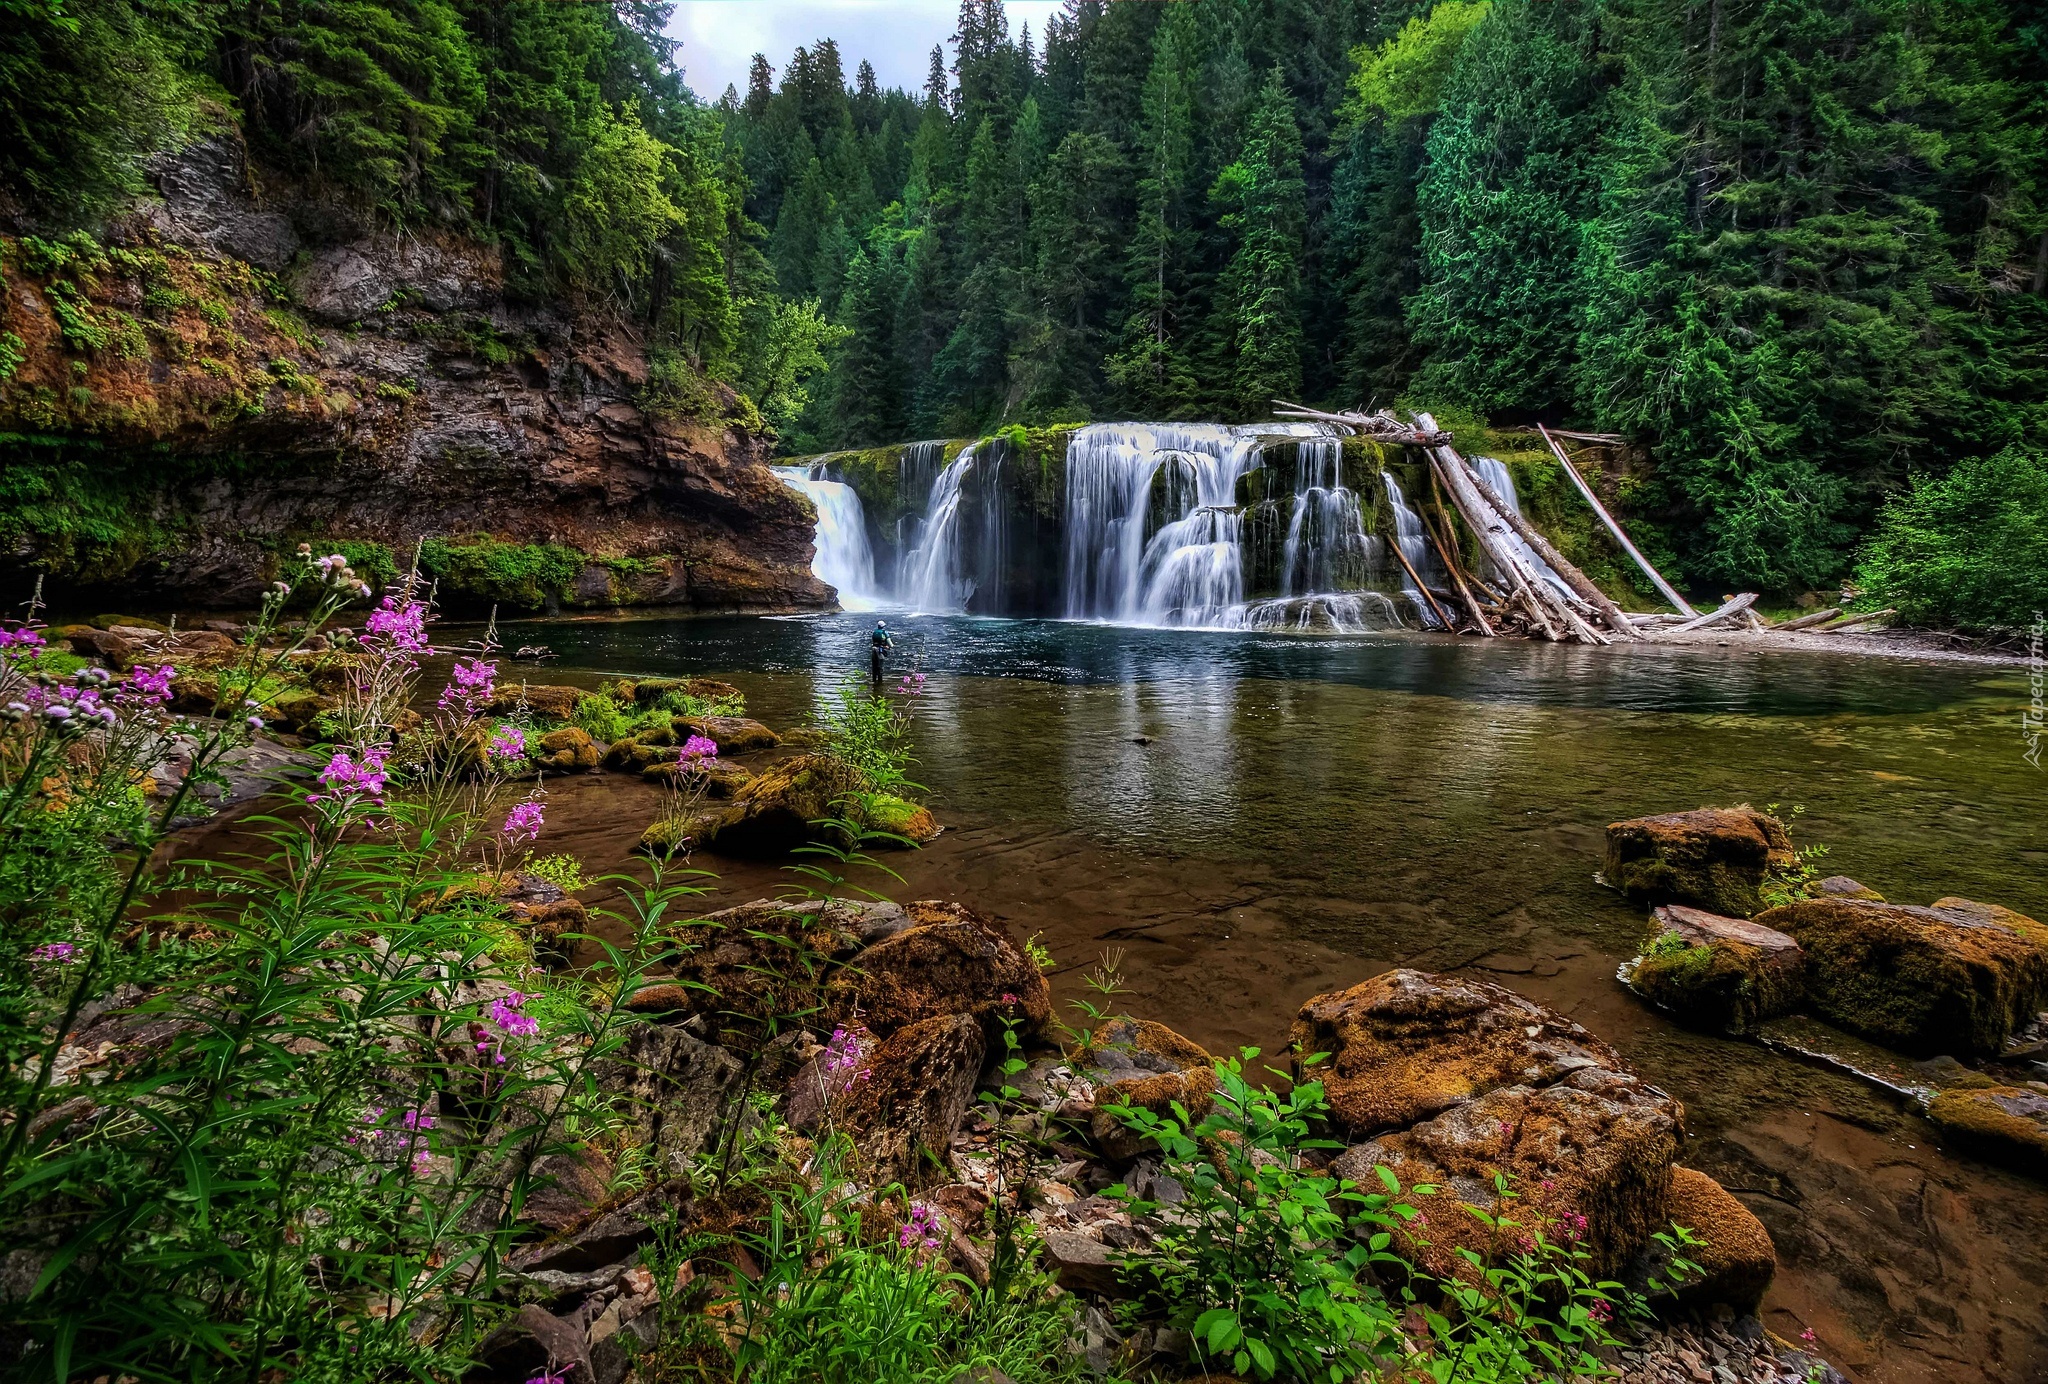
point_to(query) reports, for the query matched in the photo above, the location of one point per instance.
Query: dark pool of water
(1253, 818)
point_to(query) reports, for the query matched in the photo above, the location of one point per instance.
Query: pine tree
(1152, 372)
(1259, 297)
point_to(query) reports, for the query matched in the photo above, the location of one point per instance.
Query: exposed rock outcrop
(401, 395)
(1719, 973)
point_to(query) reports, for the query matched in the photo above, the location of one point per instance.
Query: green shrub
(1967, 550)
(676, 388)
(601, 718)
(525, 575)
(12, 353)
(564, 871)
(872, 735)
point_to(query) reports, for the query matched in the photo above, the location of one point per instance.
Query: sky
(720, 37)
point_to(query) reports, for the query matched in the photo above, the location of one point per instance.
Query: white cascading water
(1414, 545)
(1497, 477)
(915, 473)
(933, 580)
(843, 559)
(1327, 548)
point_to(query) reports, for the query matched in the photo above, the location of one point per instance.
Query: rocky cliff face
(205, 390)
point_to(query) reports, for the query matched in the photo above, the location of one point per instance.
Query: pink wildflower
(21, 642)
(346, 779)
(149, 684)
(553, 1376)
(922, 1231)
(523, 822)
(62, 953)
(505, 1016)
(1602, 1310)
(508, 744)
(396, 629)
(846, 1051)
(699, 747)
(470, 687)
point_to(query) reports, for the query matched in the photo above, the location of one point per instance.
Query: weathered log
(1819, 617)
(1578, 581)
(1381, 426)
(1451, 565)
(1753, 620)
(1442, 618)
(1656, 577)
(1734, 607)
(1449, 467)
(1850, 622)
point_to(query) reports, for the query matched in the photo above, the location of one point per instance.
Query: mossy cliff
(174, 418)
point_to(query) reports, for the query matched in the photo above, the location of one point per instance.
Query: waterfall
(933, 580)
(1327, 548)
(1414, 545)
(1188, 572)
(842, 560)
(1497, 477)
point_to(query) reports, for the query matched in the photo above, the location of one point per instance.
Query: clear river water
(1251, 819)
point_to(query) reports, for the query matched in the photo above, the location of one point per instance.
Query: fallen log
(1734, 607)
(1443, 552)
(1656, 577)
(1541, 546)
(1449, 467)
(1380, 427)
(1850, 622)
(1413, 576)
(1819, 617)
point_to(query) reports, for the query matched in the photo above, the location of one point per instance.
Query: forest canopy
(1796, 252)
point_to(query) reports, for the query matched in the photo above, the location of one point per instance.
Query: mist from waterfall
(842, 558)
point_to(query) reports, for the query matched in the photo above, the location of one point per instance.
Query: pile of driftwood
(1514, 596)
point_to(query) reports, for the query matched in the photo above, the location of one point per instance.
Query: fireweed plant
(276, 1117)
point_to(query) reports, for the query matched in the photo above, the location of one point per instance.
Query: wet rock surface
(1408, 1044)
(1955, 978)
(1715, 858)
(1718, 973)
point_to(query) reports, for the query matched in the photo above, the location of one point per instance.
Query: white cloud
(720, 37)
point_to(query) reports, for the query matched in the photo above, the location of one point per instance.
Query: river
(1252, 819)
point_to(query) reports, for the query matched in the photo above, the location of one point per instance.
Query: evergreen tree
(1153, 372)
(1259, 308)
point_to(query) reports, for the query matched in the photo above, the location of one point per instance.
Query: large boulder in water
(550, 703)
(950, 960)
(1587, 1163)
(733, 734)
(774, 814)
(1407, 1045)
(1958, 977)
(1721, 974)
(1715, 858)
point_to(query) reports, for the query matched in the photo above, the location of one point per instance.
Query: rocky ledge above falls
(183, 404)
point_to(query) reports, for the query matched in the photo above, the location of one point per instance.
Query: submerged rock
(1958, 977)
(1719, 973)
(1715, 858)
(1588, 1163)
(2004, 1124)
(950, 960)
(1408, 1045)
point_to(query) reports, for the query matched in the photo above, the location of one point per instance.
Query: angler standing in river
(878, 642)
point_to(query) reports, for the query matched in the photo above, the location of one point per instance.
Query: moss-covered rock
(1953, 978)
(548, 702)
(1843, 887)
(762, 968)
(1588, 1161)
(1721, 974)
(715, 778)
(1407, 1045)
(914, 1089)
(732, 734)
(2005, 1124)
(1735, 1255)
(950, 960)
(650, 691)
(775, 813)
(1715, 858)
(1146, 1066)
(567, 750)
(900, 817)
(671, 836)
